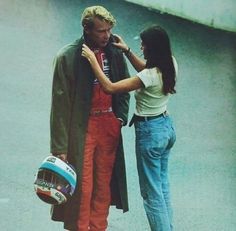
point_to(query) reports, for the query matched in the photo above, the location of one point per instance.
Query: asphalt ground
(202, 165)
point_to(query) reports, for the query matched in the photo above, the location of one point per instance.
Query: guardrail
(219, 14)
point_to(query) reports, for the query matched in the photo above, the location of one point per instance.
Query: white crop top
(150, 100)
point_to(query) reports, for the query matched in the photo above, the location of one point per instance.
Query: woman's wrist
(93, 60)
(127, 52)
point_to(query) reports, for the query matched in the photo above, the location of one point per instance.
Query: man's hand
(62, 156)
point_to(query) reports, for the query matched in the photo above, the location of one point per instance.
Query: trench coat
(71, 99)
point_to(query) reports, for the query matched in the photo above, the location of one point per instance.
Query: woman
(155, 135)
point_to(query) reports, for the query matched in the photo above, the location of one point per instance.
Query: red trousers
(99, 155)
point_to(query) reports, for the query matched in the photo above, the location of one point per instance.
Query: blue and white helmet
(55, 181)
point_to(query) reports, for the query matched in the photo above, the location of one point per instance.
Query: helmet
(55, 181)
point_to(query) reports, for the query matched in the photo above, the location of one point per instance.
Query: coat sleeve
(60, 107)
(123, 99)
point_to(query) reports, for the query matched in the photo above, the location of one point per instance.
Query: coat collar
(82, 66)
(110, 50)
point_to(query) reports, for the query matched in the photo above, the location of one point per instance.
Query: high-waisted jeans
(154, 140)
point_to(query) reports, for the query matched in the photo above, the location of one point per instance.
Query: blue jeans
(154, 140)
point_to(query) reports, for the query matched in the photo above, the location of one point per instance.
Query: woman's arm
(138, 63)
(125, 85)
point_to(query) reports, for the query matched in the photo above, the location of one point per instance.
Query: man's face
(99, 35)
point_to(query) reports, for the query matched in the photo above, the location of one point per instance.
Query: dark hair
(157, 51)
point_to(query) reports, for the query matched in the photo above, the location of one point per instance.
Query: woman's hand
(120, 43)
(88, 54)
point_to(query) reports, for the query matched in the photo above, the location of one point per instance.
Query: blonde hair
(99, 12)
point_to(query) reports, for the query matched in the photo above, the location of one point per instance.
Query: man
(86, 125)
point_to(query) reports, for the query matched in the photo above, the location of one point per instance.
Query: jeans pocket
(172, 137)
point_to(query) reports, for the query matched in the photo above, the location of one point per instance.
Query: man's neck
(91, 45)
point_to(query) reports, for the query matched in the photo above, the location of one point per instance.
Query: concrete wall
(214, 13)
